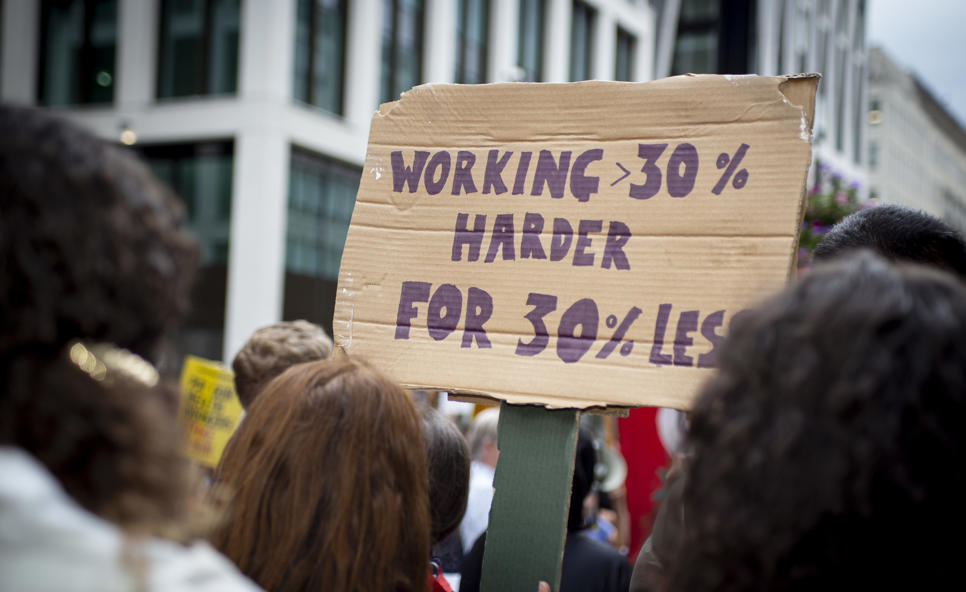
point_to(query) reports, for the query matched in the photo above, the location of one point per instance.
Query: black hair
(92, 248)
(585, 461)
(449, 473)
(898, 234)
(828, 450)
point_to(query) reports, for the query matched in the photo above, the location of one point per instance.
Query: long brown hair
(328, 480)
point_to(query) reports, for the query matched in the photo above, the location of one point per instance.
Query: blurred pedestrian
(328, 484)
(827, 451)
(273, 349)
(897, 234)
(485, 453)
(588, 565)
(95, 271)
(449, 473)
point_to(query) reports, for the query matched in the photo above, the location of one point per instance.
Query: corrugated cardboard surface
(702, 252)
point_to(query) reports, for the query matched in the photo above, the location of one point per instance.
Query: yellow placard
(209, 409)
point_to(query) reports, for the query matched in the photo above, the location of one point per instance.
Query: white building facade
(771, 37)
(257, 111)
(917, 150)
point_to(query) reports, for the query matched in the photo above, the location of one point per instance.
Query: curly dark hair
(898, 234)
(828, 451)
(92, 248)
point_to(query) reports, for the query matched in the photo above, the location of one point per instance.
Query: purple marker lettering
(584, 314)
(660, 327)
(522, 168)
(687, 323)
(501, 236)
(462, 177)
(447, 297)
(479, 308)
(493, 175)
(530, 242)
(472, 238)
(440, 160)
(563, 234)
(551, 173)
(580, 185)
(585, 227)
(711, 322)
(617, 236)
(402, 174)
(410, 293)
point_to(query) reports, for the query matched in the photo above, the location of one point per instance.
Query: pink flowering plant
(824, 210)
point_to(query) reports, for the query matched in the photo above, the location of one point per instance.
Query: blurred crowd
(824, 452)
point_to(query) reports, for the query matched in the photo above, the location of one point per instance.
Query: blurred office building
(257, 111)
(917, 150)
(772, 37)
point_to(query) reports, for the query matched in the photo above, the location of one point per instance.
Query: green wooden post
(528, 519)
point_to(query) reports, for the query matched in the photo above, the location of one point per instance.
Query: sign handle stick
(528, 518)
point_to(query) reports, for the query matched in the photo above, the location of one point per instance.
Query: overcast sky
(928, 38)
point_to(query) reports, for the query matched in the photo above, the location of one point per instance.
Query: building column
(363, 61)
(769, 26)
(137, 47)
(20, 39)
(666, 36)
(556, 46)
(439, 41)
(502, 48)
(256, 261)
(605, 44)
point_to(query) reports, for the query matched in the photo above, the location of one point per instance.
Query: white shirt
(477, 504)
(49, 543)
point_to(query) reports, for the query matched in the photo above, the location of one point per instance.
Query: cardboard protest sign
(572, 245)
(209, 409)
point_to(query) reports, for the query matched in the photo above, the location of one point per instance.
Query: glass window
(402, 47)
(696, 52)
(202, 175)
(530, 47)
(472, 24)
(581, 41)
(322, 194)
(873, 156)
(320, 53)
(78, 50)
(624, 58)
(198, 52)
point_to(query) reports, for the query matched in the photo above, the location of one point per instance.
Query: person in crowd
(328, 483)
(894, 232)
(827, 451)
(898, 234)
(449, 474)
(482, 438)
(271, 350)
(588, 565)
(95, 272)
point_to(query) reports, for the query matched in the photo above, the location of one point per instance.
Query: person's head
(898, 234)
(449, 473)
(93, 249)
(328, 483)
(585, 460)
(828, 448)
(482, 437)
(271, 350)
